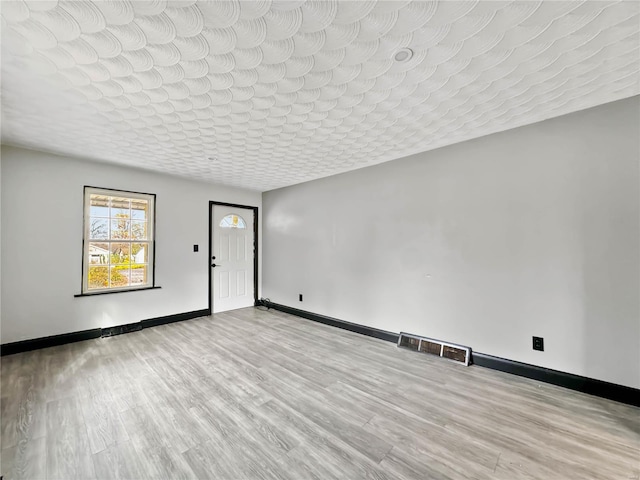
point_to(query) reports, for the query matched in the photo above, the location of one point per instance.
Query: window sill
(108, 292)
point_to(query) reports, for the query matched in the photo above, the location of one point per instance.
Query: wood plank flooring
(254, 394)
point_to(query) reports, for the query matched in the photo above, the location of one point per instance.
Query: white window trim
(151, 198)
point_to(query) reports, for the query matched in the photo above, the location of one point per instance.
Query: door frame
(255, 248)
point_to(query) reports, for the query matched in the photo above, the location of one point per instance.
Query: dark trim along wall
(599, 388)
(54, 340)
(334, 322)
(591, 386)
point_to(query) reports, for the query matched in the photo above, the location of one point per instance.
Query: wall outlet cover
(538, 343)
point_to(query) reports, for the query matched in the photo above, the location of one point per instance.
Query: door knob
(214, 265)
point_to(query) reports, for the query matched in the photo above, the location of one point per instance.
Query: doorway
(233, 256)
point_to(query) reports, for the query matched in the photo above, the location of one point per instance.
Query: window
(118, 240)
(233, 221)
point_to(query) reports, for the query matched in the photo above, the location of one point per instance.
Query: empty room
(321, 239)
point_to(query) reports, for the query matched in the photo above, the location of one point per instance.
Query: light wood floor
(253, 394)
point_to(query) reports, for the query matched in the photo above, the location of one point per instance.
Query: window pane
(233, 221)
(139, 274)
(98, 253)
(120, 207)
(120, 253)
(99, 206)
(139, 253)
(138, 230)
(118, 242)
(120, 229)
(98, 228)
(98, 277)
(119, 276)
(139, 209)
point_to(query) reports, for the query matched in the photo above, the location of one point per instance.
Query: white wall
(42, 244)
(533, 231)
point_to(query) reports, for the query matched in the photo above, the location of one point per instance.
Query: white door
(233, 252)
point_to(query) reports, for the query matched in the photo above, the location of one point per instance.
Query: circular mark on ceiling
(403, 55)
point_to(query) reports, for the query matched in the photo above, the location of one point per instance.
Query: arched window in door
(233, 221)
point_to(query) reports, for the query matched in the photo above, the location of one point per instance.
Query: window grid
(233, 221)
(119, 245)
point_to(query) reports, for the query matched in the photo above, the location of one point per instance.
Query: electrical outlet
(300, 297)
(195, 248)
(538, 343)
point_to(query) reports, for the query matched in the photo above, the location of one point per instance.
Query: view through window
(233, 221)
(118, 240)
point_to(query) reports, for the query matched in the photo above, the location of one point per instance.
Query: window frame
(86, 240)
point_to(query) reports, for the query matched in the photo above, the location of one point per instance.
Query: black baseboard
(591, 386)
(599, 388)
(334, 322)
(178, 317)
(55, 340)
(52, 341)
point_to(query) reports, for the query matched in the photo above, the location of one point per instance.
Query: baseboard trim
(178, 317)
(55, 340)
(52, 341)
(591, 386)
(334, 322)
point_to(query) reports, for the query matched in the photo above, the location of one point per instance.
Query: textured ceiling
(267, 94)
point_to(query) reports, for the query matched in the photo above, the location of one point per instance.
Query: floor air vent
(457, 353)
(412, 343)
(120, 329)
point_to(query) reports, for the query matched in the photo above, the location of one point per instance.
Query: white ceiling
(266, 94)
